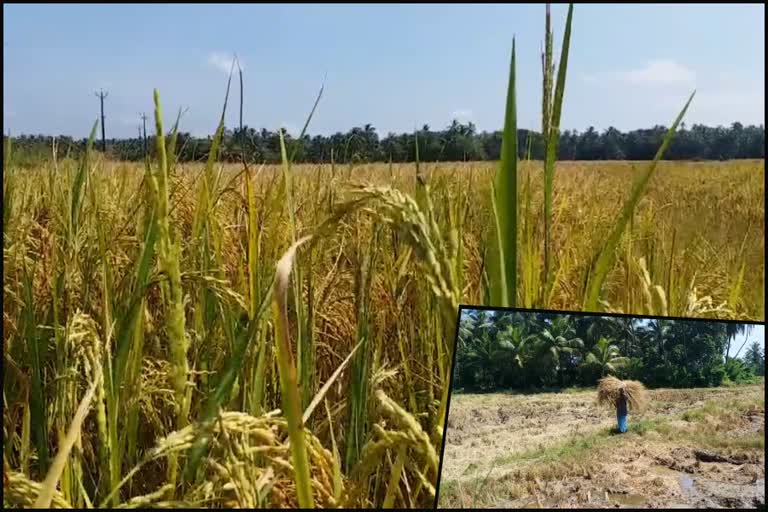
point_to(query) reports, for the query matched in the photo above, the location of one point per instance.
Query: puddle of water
(627, 499)
(686, 483)
(703, 490)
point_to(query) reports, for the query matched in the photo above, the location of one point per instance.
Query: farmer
(621, 409)
(621, 395)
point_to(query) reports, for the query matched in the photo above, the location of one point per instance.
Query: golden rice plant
(339, 396)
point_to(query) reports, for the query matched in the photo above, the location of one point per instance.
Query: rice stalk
(169, 254)
(394, 478)
(288, 379)
(551, 126)
(37, 400)
(222, 393)
(48, 487)
(78, 187)
(324, 389)
(360, 368)
(607, 254)
(503, 247)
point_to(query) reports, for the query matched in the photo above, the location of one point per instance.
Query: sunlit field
(232, 335)
(85, 283)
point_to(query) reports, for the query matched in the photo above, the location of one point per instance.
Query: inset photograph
(574, 410)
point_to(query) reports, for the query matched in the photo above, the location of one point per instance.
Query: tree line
(457, 142)
(532, 350)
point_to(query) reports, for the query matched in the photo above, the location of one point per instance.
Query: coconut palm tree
(480, 359)
(658, 332)
(733, 330)
(755, 359)
(512, 345)
(556, 340)
(467, 326)
(606, 356)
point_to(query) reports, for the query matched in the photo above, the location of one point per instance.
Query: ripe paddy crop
(283, 335)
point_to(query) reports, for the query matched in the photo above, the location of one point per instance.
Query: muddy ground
(557, 450)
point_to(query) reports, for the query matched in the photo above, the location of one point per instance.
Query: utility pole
(144, 120)
(101, 95)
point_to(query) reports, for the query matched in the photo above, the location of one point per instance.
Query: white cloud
(660, 72)
(223, 62)
(462, 114)
(655, 72)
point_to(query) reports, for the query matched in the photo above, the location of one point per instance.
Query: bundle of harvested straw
(609, 391)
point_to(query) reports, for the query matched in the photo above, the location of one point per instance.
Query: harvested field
(560, 450)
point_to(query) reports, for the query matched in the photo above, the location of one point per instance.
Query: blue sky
(395, 66)
(757, 334)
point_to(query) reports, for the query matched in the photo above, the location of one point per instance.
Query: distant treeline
(458, 142)
(537, 350)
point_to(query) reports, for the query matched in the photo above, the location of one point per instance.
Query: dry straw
(609, 391)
